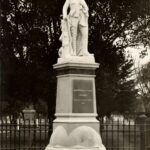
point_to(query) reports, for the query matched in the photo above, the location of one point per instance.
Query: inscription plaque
(83, 96)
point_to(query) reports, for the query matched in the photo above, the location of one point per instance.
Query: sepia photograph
(74, 74)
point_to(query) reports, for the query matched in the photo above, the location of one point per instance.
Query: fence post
(147, 134)
(141, 121)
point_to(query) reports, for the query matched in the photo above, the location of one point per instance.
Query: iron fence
(25, 135)
(121, 136)
(35, 135)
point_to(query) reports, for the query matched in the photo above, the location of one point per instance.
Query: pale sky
(135, 53)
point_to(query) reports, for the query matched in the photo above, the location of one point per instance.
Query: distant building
(139, 106)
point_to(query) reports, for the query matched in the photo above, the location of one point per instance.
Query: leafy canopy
(30, 33)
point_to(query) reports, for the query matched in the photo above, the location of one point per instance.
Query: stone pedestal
(76, 126)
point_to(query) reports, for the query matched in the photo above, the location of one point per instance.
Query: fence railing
(25, 135)
(121, 136)
(35, 135)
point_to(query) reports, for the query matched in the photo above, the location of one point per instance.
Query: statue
(74, 28)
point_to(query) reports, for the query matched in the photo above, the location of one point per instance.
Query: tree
(30, 33)
(28, 51)
(108, 26)
(140, 32)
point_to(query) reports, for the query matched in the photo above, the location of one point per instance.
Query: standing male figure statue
(76, 23)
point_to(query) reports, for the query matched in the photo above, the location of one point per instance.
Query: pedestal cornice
(76, 68)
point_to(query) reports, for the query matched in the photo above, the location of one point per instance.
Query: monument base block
(76, 126)
(82, 137)
(72, 121)
(77, 148)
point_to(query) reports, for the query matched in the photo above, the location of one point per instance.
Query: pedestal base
(72, 121)
(76, 126)
(73, 148)
(82, 137)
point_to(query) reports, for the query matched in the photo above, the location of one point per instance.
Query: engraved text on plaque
(82, 96)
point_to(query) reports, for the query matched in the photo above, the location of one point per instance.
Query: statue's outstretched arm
(65, 8)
